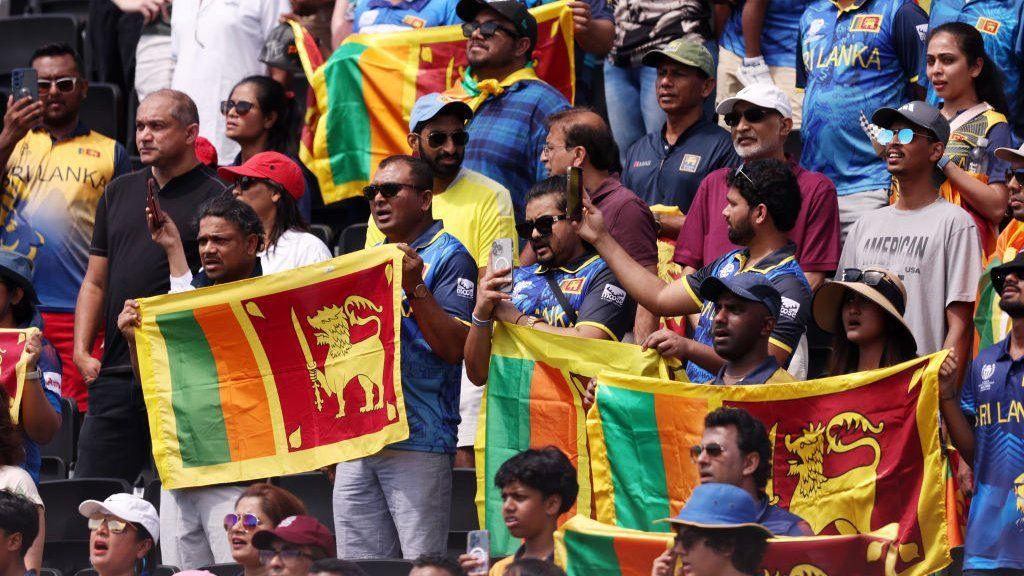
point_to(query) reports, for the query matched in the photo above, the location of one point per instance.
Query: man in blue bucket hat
(717, 534)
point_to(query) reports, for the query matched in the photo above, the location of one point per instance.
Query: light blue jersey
(778, 37)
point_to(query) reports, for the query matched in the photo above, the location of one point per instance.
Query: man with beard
(990, 402)
(56, 171)
(474, 208)
(763, 203)
(511, 102)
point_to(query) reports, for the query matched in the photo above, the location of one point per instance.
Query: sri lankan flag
(584, 547)
(851, 454)
(532, 399)
(991, 324)
(365, 92)
(13, 365)
(275, 375)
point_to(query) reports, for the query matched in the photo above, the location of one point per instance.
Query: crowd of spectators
(832, 178)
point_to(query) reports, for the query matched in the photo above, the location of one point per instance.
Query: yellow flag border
(152, 357)
(20, 370)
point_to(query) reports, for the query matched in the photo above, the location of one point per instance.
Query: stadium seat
(463, 510)
(63, 444)
(457, 543)
(79, 8)
(230, 569)
(62, 498)
(66, 556)
(323, 232)
(315, 491)
(50, 572)
(385, 567)
(21, 35)
(53, 468)
(352, 239)
(151, 493)
(102, 110)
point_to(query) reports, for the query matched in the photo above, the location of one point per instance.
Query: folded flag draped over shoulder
(365, 92)
(533, 399)
(13, 365)
(584, 547)
(851, 454)
(274, 375)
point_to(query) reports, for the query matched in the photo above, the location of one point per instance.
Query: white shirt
(294, 249)
(216, 43)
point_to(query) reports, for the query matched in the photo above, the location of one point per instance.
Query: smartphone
(478, 545)
(153, 203)
(25, 82)
(574, 194)
(502, 257)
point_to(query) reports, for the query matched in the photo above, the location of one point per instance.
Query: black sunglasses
(66, 84)
(543, 225)
(241, 107)
(437, 139)
(752, 115)
(246, 182)
(879, 281)
(385, 189)
(487, 29)
(712, 449)
(1012, 174)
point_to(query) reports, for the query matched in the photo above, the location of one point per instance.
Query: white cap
(1011, 154)
(764, 95)
(127, 507)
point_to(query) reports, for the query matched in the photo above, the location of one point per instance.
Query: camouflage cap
(685, 52)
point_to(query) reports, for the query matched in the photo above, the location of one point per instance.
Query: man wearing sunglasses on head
(510, 102)
(405, 490)
(734, 449)
(931, 244)
(56, 169)
(292, 547)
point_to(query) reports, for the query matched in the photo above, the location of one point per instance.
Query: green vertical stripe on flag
(591, 555)
(348, 121)
(195, 392)
(635, 458)
(508, 433)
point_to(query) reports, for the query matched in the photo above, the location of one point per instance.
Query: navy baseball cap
(512, 10)
(430, 105)
(18, 269)
(747, 285)
(719, 506)
(920, 113)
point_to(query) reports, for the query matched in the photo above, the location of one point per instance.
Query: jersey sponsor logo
(922, 31)
(613, 294)
(690, 163)
(813, 31)
(464, 288)
(866, 23)
(52, 382)
(89, 152)
(642, 163)
(789, 308)
(987, 371)
(572, 285)
(857, 55)
(987, 25)
(414, 21)
(727, 270)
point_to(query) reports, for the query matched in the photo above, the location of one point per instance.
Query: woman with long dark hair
(257, 118)
(865, 314)
(971, 88)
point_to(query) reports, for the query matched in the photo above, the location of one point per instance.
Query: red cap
(272, 166)
(205, 151)
(298, 530)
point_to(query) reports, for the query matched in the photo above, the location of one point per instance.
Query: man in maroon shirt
(760, 119)
(579, 137)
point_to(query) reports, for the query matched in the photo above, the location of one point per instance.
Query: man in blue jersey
(855, 56)
(990, 403)
(396, 502)
(756, 47)
(763, 204)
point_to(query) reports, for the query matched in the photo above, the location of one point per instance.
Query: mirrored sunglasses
(249, 521)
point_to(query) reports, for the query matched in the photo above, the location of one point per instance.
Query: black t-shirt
(137, 265)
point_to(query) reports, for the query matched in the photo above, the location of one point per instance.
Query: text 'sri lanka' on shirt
(853, 62)
(934, 250)
(993, 398)
(781, 25)
(51, 190)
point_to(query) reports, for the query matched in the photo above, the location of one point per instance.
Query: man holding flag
(511, 103)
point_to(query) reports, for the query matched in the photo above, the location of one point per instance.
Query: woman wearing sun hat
(865, 314)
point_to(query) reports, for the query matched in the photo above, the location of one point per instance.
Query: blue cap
(18, 269)
(747, 285)
(429, 105)
(719, 506)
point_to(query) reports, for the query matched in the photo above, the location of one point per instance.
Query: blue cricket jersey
(778, 37)
(373, 16)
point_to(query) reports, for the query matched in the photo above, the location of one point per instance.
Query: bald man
(124, 263)
(579, 137)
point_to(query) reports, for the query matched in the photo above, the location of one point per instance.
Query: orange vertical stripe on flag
(383, 83)
(553, 419)
(680, 425)
(243, 397)
(631, 562)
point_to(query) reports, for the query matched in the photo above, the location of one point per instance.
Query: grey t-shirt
(934, 250)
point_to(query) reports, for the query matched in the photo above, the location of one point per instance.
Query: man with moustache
(985, 423)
